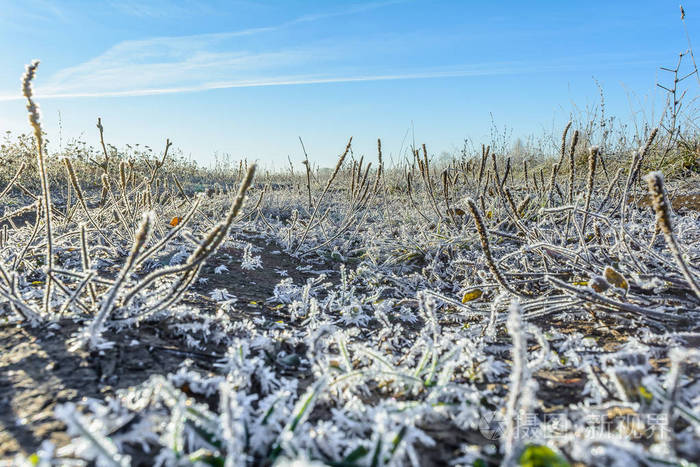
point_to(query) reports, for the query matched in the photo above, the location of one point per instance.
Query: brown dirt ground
(688, 201)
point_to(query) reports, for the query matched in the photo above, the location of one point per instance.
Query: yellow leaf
(471, 295)
(646, 395)
(489, 214)
(615, 278)
(581, 283)
(37, 282)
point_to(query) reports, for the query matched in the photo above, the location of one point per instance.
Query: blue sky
(248, 78)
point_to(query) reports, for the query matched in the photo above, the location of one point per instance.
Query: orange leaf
(176, 220)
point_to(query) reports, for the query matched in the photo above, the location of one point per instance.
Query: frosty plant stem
(85, 260)
(518, 395)
(140, 239)
(14, 179)
(592, 156)
(105, 450)
(33, 111)
(323, 194)
(655, 181)
(557, 166)
(481, 229)
(81, 199)
(635, 165)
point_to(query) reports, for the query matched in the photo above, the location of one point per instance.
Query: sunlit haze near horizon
(249, 78)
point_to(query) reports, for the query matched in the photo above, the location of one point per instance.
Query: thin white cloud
(359, 8)
(493, 69)
(168, 8)
(181, 62)
(159, 8)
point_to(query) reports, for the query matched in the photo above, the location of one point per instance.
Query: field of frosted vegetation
(538, 307)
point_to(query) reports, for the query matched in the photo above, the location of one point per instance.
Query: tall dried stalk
(557, 166)
(482, 165)
(159, 164)
(483, 236)
(655, 181)
(592, 157)
(104, 165)
(307, 166)
(81, 199)
(611, 186)
(635, 166)
(33, 111)
(572, 166)
(380, 167)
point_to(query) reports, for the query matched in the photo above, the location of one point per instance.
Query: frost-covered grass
(455, 313)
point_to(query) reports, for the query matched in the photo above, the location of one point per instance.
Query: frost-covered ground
(414, 316)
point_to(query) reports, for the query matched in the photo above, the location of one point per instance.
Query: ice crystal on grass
(92, 442)
(222, 295)
(250, 262)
